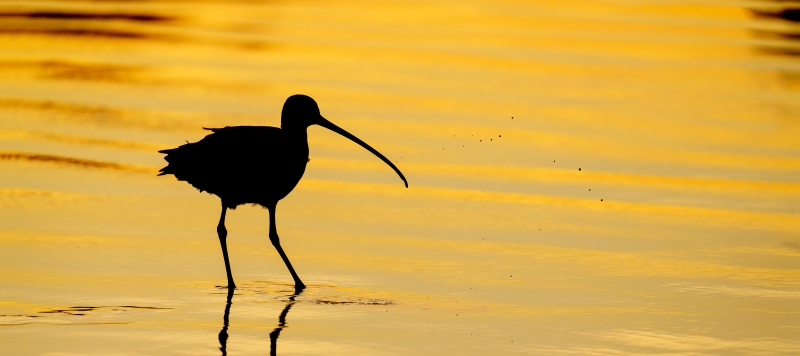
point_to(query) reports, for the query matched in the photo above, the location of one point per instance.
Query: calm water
(586, 178)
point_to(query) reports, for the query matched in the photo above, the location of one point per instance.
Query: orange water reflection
(678, 235)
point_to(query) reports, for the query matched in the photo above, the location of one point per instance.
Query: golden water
(585, 178)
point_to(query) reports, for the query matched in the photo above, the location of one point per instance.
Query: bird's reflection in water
(223, 334)
(273, 336)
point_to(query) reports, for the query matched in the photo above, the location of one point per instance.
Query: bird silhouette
(255, 165)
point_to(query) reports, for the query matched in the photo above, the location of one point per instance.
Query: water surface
(585, 178)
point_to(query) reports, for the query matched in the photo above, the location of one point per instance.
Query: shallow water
(587, 178)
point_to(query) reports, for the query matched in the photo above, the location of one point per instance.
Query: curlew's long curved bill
(330, 126)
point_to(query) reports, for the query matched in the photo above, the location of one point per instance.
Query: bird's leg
(273, 237)
(223, 236)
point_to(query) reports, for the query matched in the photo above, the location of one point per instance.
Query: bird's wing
(225, 154)
(218, 129)
(227, 132)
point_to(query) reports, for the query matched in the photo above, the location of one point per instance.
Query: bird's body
(242, 164)
(254, 165)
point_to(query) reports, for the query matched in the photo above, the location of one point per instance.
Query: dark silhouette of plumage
(255, 165)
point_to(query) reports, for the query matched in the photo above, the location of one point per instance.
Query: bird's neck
(296, 134)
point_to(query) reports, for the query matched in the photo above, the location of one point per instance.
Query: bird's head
(300, 112)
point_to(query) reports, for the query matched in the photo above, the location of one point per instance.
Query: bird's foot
(299, 286)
